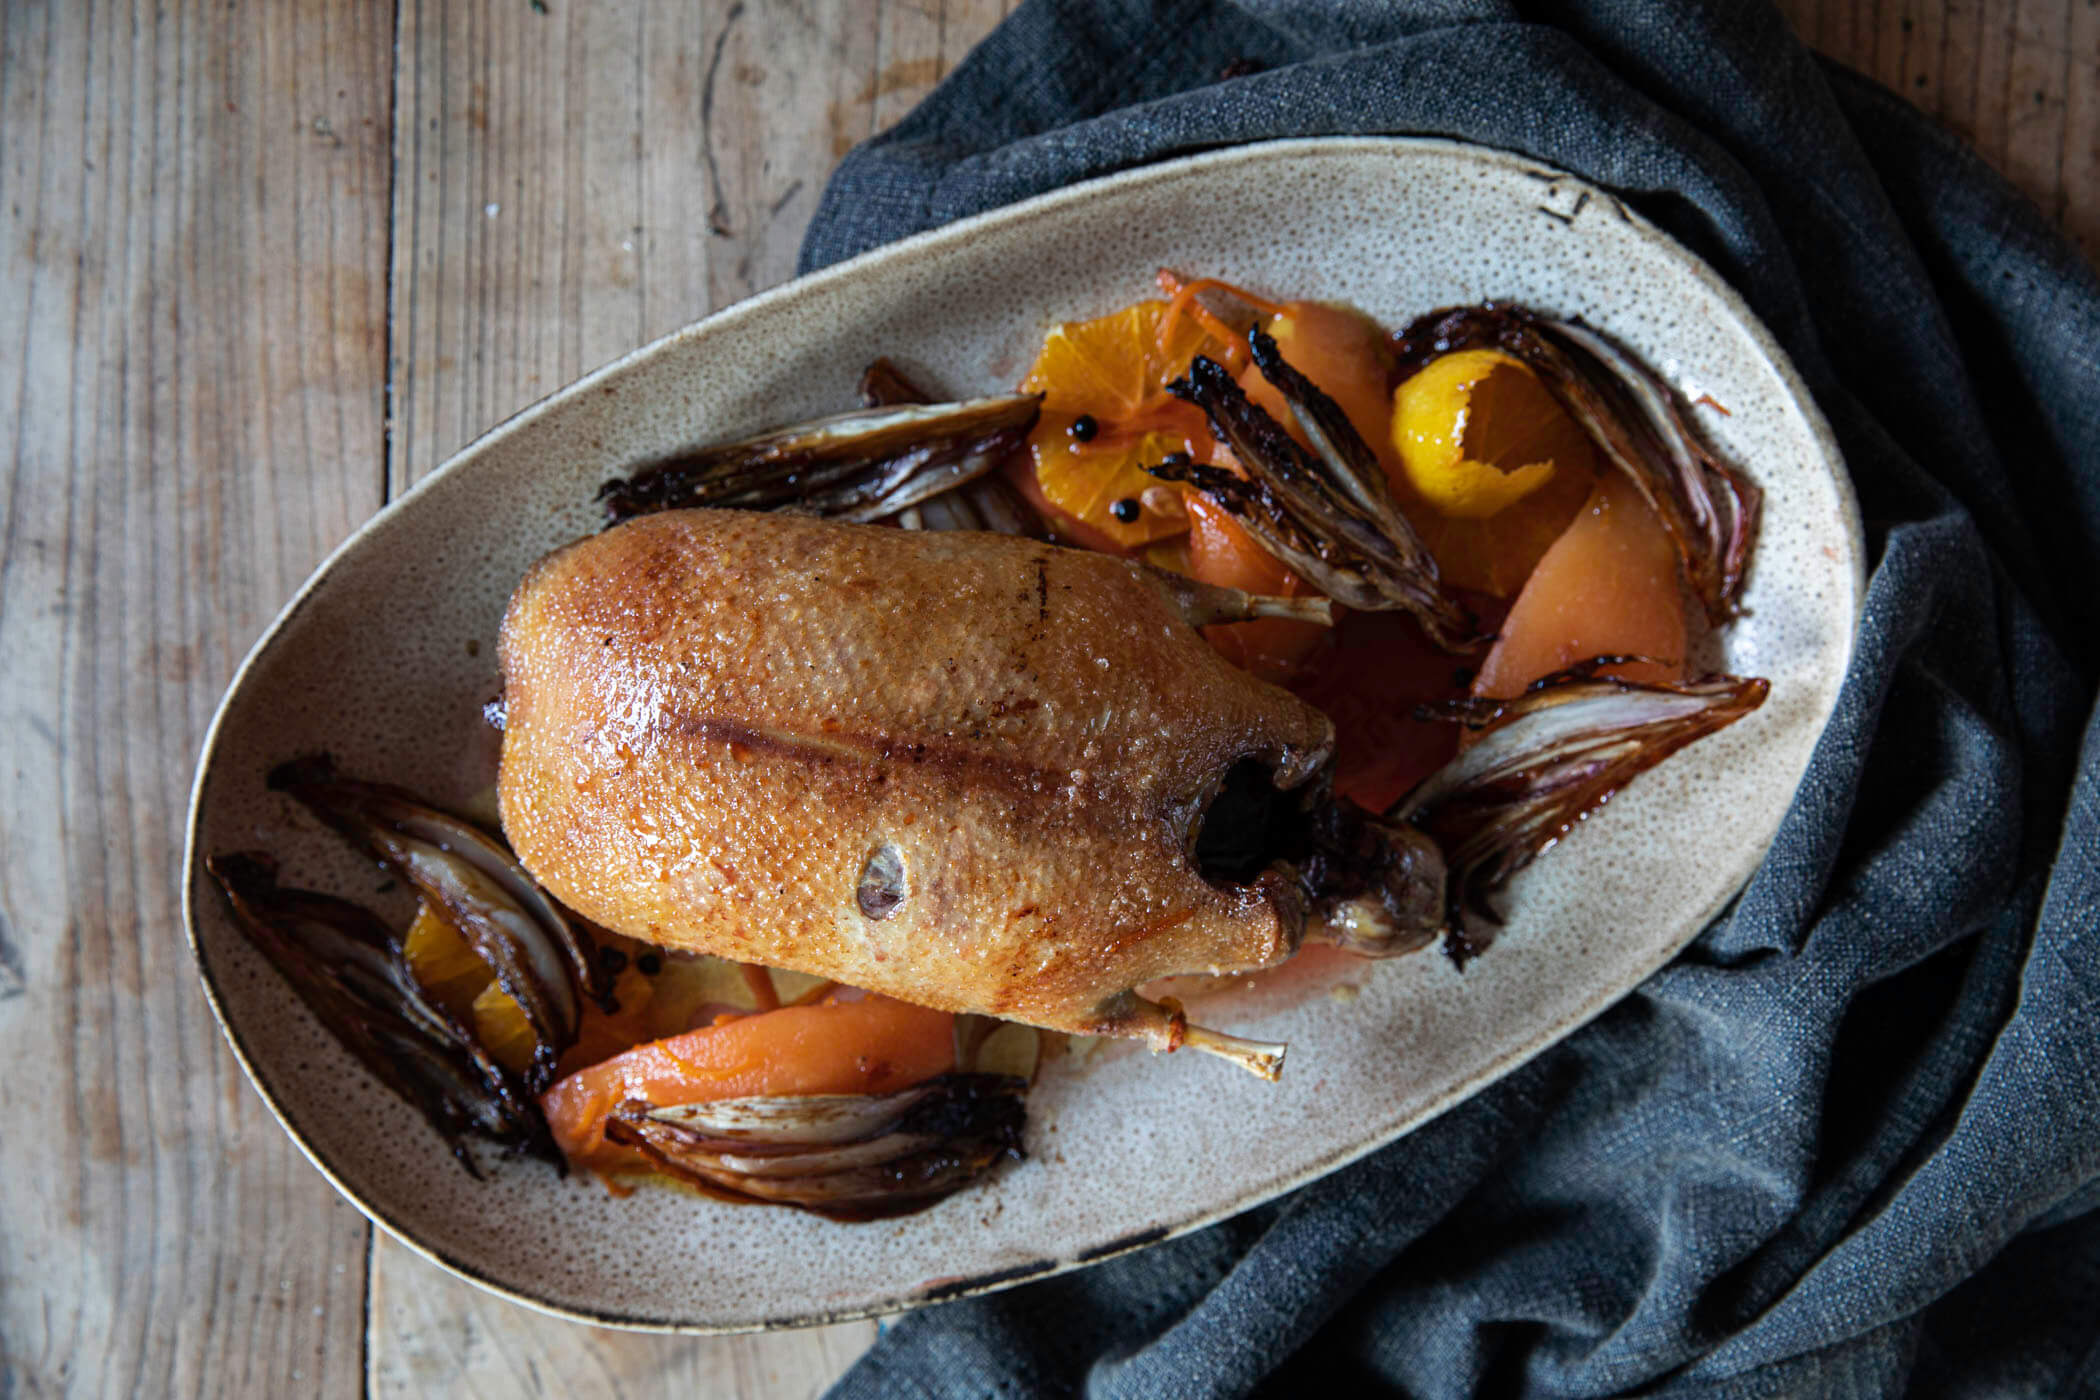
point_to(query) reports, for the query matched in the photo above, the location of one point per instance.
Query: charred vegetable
(857, 466)
(1201, 604)
(1543, 762)
(981, 503)
(541, 959)
(347, 966)
(1639, 423)
(848, 1156)
(923, 1128)
(1329, 517)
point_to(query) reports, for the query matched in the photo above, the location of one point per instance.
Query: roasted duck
(974, 772)
(966, 770)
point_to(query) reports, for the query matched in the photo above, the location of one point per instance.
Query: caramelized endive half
(346, 965)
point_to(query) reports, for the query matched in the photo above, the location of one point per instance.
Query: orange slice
(444, 963)
(1111, 372)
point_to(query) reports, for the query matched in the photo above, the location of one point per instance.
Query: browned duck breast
(965, 770)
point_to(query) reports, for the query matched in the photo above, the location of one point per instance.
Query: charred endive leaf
(539, 957)
(847, 1156)
(982, 503)
(1543, 762)
(856, 467)
(1641, 424)
(1330, 518)
(988, 503)
(347, 966)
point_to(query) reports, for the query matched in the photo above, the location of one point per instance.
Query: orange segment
(1608, 586)
(1113, 370)
(444, 963)
(1491, 468)
(1477, 433)
(501, 1027)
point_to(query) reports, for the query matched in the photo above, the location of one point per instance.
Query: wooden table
(267, 265)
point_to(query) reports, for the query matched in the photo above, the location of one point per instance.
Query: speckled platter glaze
(388, 653)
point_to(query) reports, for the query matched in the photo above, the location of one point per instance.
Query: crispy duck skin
(960, 769)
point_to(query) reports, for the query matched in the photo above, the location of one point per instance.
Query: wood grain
(2017, 79)
(266, 267)
(194, 325)
(435, 1335)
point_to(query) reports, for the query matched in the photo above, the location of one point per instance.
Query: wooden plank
(2080, 173)
(578, 182)
(2019, 81)
(194, 321)
(434, 1334)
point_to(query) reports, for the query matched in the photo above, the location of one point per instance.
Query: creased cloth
(1849, 1142)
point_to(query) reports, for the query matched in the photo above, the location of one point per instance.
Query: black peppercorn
(612, 960)
(650, 964)
(1125, 510)
(1084, 427)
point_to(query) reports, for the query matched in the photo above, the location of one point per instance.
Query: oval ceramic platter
(387, 655)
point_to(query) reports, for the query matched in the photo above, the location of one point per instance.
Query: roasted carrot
(1220, 552)
(865, 1045)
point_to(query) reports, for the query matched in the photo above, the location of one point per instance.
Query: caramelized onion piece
(850, 1157)
(804, 1120)
(1544, 761)
(857, 467)
(540, 959)
(348, 968)
(1312, 512)
(883, 384)
(1707, 507)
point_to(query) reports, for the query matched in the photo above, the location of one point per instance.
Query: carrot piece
(870, 1045)
(1220, 552)
(1607, 586)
